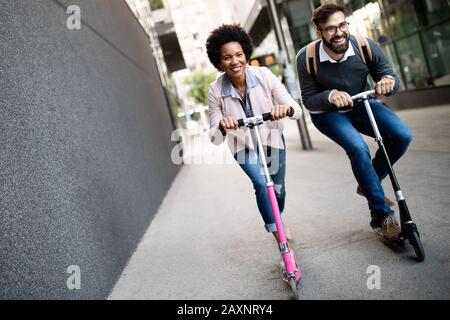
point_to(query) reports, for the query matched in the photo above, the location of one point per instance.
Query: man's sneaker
(387, 226)
(389, 202)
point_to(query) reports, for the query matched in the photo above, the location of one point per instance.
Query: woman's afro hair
(224, 34)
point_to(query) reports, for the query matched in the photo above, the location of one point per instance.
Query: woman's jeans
(252, 166)
(345, 129)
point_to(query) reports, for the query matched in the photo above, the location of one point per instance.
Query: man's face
(338, 41)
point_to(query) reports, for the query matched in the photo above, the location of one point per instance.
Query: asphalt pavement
(207, 240)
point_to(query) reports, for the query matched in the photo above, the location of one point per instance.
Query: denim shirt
(229, 90)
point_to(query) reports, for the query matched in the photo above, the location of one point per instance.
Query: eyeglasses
(331, 30)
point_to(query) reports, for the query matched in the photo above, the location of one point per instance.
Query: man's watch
(389, 77)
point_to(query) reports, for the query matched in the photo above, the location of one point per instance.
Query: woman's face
(233, 60)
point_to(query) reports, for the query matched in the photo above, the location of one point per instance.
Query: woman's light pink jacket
(264, 91)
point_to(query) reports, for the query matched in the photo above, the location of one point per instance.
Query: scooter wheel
(414, 240)
(294, 288)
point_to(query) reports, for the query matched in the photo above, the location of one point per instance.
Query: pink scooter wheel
(294, 288)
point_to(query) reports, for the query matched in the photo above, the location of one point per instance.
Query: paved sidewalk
(208, 241)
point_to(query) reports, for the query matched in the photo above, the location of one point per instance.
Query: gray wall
(84, 146)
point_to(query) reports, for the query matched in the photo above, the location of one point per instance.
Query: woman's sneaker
(387, 227)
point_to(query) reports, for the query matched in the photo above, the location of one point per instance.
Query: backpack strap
(364, 49)
(311, 61)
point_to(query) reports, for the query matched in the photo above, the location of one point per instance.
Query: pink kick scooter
(291, 273)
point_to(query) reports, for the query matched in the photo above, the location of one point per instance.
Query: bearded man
(338, 71)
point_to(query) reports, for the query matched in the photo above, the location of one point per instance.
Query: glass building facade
(414, 34)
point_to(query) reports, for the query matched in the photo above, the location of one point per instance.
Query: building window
(298, 17)
(437, 48)
(413, 64)
(430, 12)
(401, 16)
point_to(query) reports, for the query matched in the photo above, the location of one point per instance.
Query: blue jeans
(250, 162)
(345, 129)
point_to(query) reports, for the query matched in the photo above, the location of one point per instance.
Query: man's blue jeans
(250, 162)
(345, 129)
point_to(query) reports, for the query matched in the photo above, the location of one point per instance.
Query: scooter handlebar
(363, 95)
(359, 96)
(265, 116)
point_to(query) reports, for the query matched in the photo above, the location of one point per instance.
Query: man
(341, 71)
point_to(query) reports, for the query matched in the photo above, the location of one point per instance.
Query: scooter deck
(398, 241)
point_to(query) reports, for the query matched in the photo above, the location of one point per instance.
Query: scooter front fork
(288, 259)
(292, 270)
(407, 225)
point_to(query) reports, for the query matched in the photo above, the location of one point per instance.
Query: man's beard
(341, 48)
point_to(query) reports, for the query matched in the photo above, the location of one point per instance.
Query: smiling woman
(244, 91)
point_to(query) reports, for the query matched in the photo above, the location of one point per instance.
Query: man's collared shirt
(324, 56)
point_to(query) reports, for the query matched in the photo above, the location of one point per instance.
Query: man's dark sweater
(349, 76)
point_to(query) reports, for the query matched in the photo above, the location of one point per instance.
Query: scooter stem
(271, 191)
(261, 151)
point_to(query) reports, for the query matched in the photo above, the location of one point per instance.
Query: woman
(243, 91)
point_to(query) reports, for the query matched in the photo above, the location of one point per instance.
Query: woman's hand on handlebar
(229, 123)
(279, 112)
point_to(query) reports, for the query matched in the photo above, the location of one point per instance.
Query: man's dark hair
(224, 34)
(322, 13)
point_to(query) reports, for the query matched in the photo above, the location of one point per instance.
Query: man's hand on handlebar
(384, 86)
(341, 99)
(279, 112)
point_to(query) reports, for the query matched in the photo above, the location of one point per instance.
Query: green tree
(199, 84)
(156, 4)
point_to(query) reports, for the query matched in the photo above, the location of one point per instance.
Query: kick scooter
(408, 227)
(292, 273)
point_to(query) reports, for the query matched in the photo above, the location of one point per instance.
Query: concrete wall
(84, 146)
